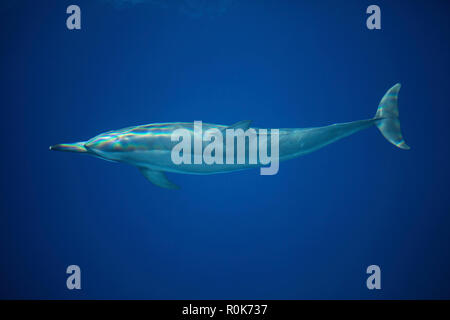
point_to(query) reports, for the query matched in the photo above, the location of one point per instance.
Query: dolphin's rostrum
(149, 147)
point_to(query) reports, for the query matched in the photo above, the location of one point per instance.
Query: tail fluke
(70, 147)
(389, 123)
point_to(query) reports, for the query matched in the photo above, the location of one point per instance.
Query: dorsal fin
(158, 178)
(244, 125)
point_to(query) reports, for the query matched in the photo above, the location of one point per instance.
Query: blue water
(308, 232)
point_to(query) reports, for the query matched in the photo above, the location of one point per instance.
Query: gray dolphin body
(149, 147)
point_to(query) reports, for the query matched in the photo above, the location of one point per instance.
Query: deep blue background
(308, 232)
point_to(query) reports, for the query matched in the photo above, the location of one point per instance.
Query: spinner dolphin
(149, 147)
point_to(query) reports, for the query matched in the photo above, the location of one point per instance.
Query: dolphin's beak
(70, 147)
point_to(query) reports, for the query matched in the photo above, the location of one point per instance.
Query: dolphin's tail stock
(389, 123)
(70, 147)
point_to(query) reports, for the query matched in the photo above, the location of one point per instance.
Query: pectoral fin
(158, 178)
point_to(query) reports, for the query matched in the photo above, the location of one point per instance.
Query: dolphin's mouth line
(77, 147)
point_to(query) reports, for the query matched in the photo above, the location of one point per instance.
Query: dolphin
(148, 147)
